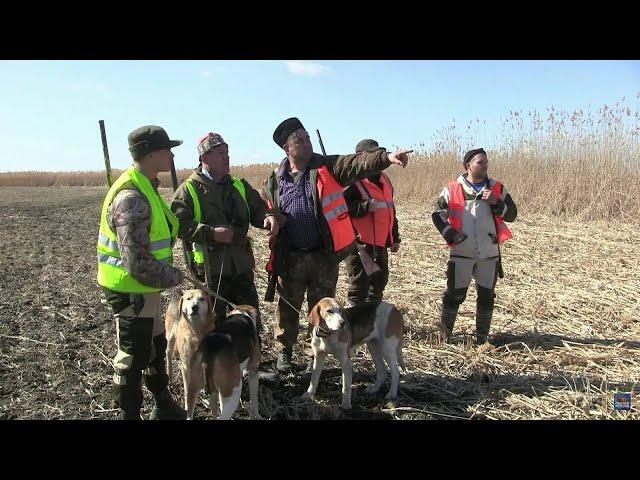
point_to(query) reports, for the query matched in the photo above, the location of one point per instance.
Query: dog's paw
(346, 404)
(390, 396)
(256, 416)
(306, 396)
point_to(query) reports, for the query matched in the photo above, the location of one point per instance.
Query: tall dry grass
(556, 162)
(578, 163)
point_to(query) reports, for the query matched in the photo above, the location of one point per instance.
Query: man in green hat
(215, 210)
(373, 215)
(137, 232)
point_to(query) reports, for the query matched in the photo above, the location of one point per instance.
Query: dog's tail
(399, 347)
(400, 358)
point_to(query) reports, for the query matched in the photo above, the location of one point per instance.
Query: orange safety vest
(456, 208)
(334, 209)
(375, 229)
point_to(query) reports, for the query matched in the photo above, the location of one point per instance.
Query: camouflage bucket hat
(209, 141)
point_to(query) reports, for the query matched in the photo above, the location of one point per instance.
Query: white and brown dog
(188, 323)
(337, 331)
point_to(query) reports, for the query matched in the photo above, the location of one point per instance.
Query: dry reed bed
(565, 186)
(557, 162)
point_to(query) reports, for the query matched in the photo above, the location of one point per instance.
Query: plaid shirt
(296, 201)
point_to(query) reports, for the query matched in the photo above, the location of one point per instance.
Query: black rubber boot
(130, 415)
(167, 408)
(128, 396)
(484, 313)
(483, 324)
(451, 301)
(448, 316)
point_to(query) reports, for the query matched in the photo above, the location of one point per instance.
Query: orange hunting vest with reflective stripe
(334, 209)
(376, 228)
(456, 208)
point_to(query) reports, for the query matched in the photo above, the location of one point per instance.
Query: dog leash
(278, 289)
(215, 300)
(204, 288)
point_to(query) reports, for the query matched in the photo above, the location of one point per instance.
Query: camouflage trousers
(362, 287)
(314, 272)
(141, 347)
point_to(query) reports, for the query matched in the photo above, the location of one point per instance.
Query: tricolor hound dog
(337, 331)
(215, 351)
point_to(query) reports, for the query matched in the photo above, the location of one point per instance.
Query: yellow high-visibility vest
(162, 235)
(197, 254)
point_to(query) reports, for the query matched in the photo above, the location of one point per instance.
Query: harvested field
(565, 336)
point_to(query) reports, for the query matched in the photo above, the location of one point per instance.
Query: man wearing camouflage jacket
(137, 231)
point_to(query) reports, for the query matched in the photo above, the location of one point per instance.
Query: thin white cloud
(206, 74)
(89, 87)
(307, 68)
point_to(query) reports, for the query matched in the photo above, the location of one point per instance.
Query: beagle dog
(225, 353)
(337, 331)
(187, 321)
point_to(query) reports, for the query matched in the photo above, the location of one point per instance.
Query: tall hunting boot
(166, 408)
(127, 393)
(448, 316)
(484, 315)
(157, 381)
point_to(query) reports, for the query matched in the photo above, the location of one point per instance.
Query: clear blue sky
(50, 109)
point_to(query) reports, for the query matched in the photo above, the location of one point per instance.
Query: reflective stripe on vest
(456, 208)
(376, 227)
(334, 209)
(163, 232)
(197, 255)
(502, 231)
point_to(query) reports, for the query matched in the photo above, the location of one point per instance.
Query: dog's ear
(314, 316)
(180, 306)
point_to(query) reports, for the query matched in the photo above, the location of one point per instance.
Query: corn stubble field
(566, 328)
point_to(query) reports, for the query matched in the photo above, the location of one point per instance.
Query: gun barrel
(321, 144)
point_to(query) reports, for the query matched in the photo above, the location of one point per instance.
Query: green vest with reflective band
(198, 250)
(111, 272)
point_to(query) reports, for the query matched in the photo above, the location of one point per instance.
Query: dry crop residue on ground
(565, 331)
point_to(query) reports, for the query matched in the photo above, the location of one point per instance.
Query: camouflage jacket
(129, 215)
(220, 206)
(346, 169)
